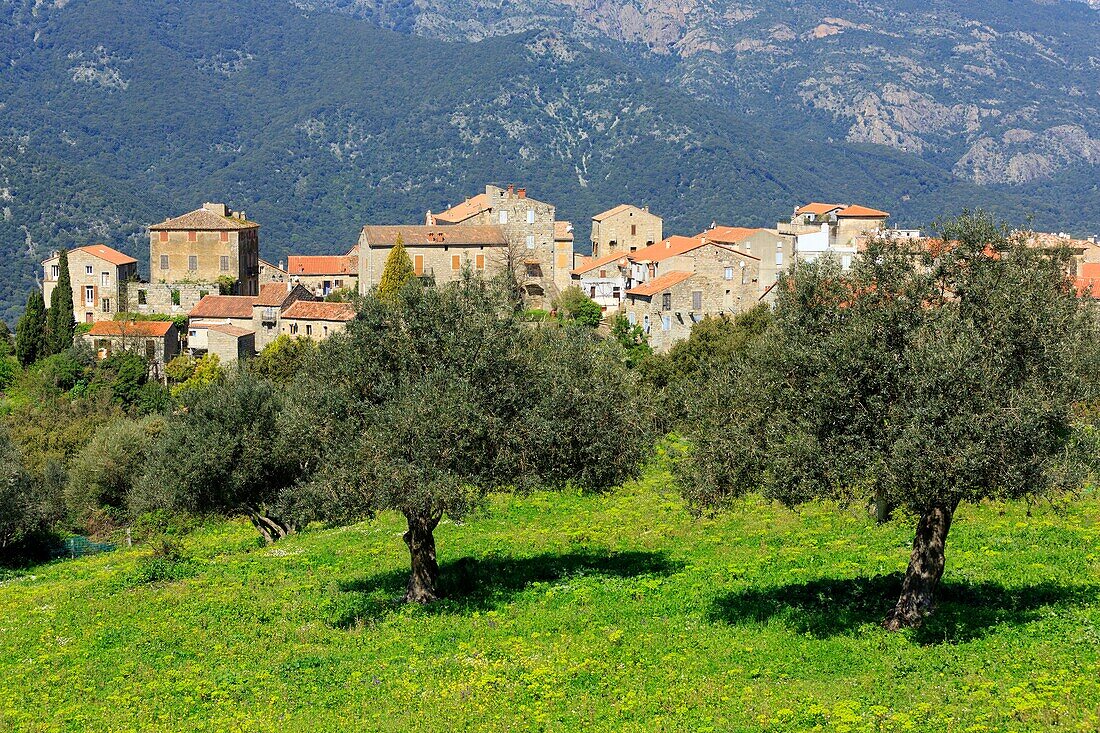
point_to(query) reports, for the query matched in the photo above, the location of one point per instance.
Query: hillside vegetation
(118, 113)
(568, 612)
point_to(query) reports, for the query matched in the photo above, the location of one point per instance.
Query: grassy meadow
(569, 613)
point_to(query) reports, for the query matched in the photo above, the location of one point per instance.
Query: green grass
(567, 613)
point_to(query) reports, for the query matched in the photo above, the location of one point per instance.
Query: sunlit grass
(617, 613)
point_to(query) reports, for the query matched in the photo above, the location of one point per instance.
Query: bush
(572, 304)
(165, 564)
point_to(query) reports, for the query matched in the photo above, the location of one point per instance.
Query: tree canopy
(923, 378)
(60, 322)
(397, 271)
(30, 331)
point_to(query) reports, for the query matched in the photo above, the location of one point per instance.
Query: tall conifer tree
(397, 271)
(30, 332)
(60, 322)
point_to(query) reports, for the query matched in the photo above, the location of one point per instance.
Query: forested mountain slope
(117, 113)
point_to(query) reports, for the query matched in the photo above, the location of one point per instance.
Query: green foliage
(7, 340)
(103, 472)
(282, 359)
(197, 375)
(226, 285)
(9, 372)
(60, 322)
(30, 332)
(24, 519)
(343, 295)
(632, 339)
(165, 563)
(397, 271)
(573, 305)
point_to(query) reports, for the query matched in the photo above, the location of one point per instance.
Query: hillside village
(207, 273)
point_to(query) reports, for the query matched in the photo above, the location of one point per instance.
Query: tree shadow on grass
(831, 607)
(481, 584)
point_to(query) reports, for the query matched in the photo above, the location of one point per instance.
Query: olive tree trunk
(925, 569)
(425, 569)
(270, 527)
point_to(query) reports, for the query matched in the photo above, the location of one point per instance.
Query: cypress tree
(397, 271)
(60, 323)
(30, 332)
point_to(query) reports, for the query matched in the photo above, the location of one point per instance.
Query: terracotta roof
(817, 208)
(730, 235)
(658, 284)
(224, 306)
(203, 220)
(563, 230)
(420, 236)
(319, 311)
(273, 294)
(462, 212)
(227, 329)
(591, 264)
(861, 212)
(613, 211)
(104, 252)
(131, 328)
(322, 265)
(676, 245)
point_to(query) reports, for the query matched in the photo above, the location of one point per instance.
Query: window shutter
(456, 263)
(480, 262)
(418, 264)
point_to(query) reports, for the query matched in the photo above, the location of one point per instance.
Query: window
(324, 331)
(326, 287)
(294, 328)
(631, 318)
(697, 300)
(192, 262)
(779, 258)
(338, 283)
(89, 295)
(729, 273)
(503, 217)
(164, 237)
(456, 263)
(418, 265)
(309, 329)
(164, 262)
(530, 216)
(225, 236)
(142, 297)
(88, 270)
(89, 317)
(150, 349)
(616, 292)
(530, 241)
(633, 230)
(666, 301)
(55, 272)
(645, 323)
(666, 323)
(480, 261)
(225, 263)
(105, 305)
(592, 292)
(104, 279)
(192, 236)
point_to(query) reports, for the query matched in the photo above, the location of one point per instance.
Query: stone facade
(316, 321)
(267, 310)
(324, 274)
(272, 273)
(437, 252)
(625, 228)
(230, 343)
(771, 248)
(205, 245)
(174, 299)
(100, 276)
(157, 341)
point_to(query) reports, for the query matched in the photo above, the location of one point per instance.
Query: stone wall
(626, 231)
(105, 281)
(214, 254)
(158, 297)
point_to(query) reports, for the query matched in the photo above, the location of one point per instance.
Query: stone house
(323, 274)
(624, 228)
(204, 245)
(100, 277)
(268, 307)
(157, 341)
(839, 230)
(541, 256)
(316, 320)
(437, 252)
(772, 248)
(603, 279)
(272, 273)
(216, 311)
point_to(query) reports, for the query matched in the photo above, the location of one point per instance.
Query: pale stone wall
(311, 328)
(108, 283)
(436, 261)
(626, 231)
(159, 351)
(240, 250)
(229, 348)
(158, 298)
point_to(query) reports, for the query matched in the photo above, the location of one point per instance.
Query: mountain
(316, 118)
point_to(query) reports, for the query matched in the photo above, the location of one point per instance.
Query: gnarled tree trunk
(884, 508)
(925, 569)
(425, 569)
(271, 528)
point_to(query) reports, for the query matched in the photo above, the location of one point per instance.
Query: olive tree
(432, 400)
(922, 379)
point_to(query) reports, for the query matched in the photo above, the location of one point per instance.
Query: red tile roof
(461, 212)
(613, 211)
(563, 231)
(322, 264)
(670, 247)
(273, 294)
(420, 236)
(203, 220)
(104, 252)
(319, 311)
(591, 264)
(224, 306)
(861, 212)
(729, 235)
(659, 284)
(817, 208)
(144, 329)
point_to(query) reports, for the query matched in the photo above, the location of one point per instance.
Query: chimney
(646, 208)
(282, 265)
(219, 209)
(511, 190)
(522, 193)
(428, 220)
